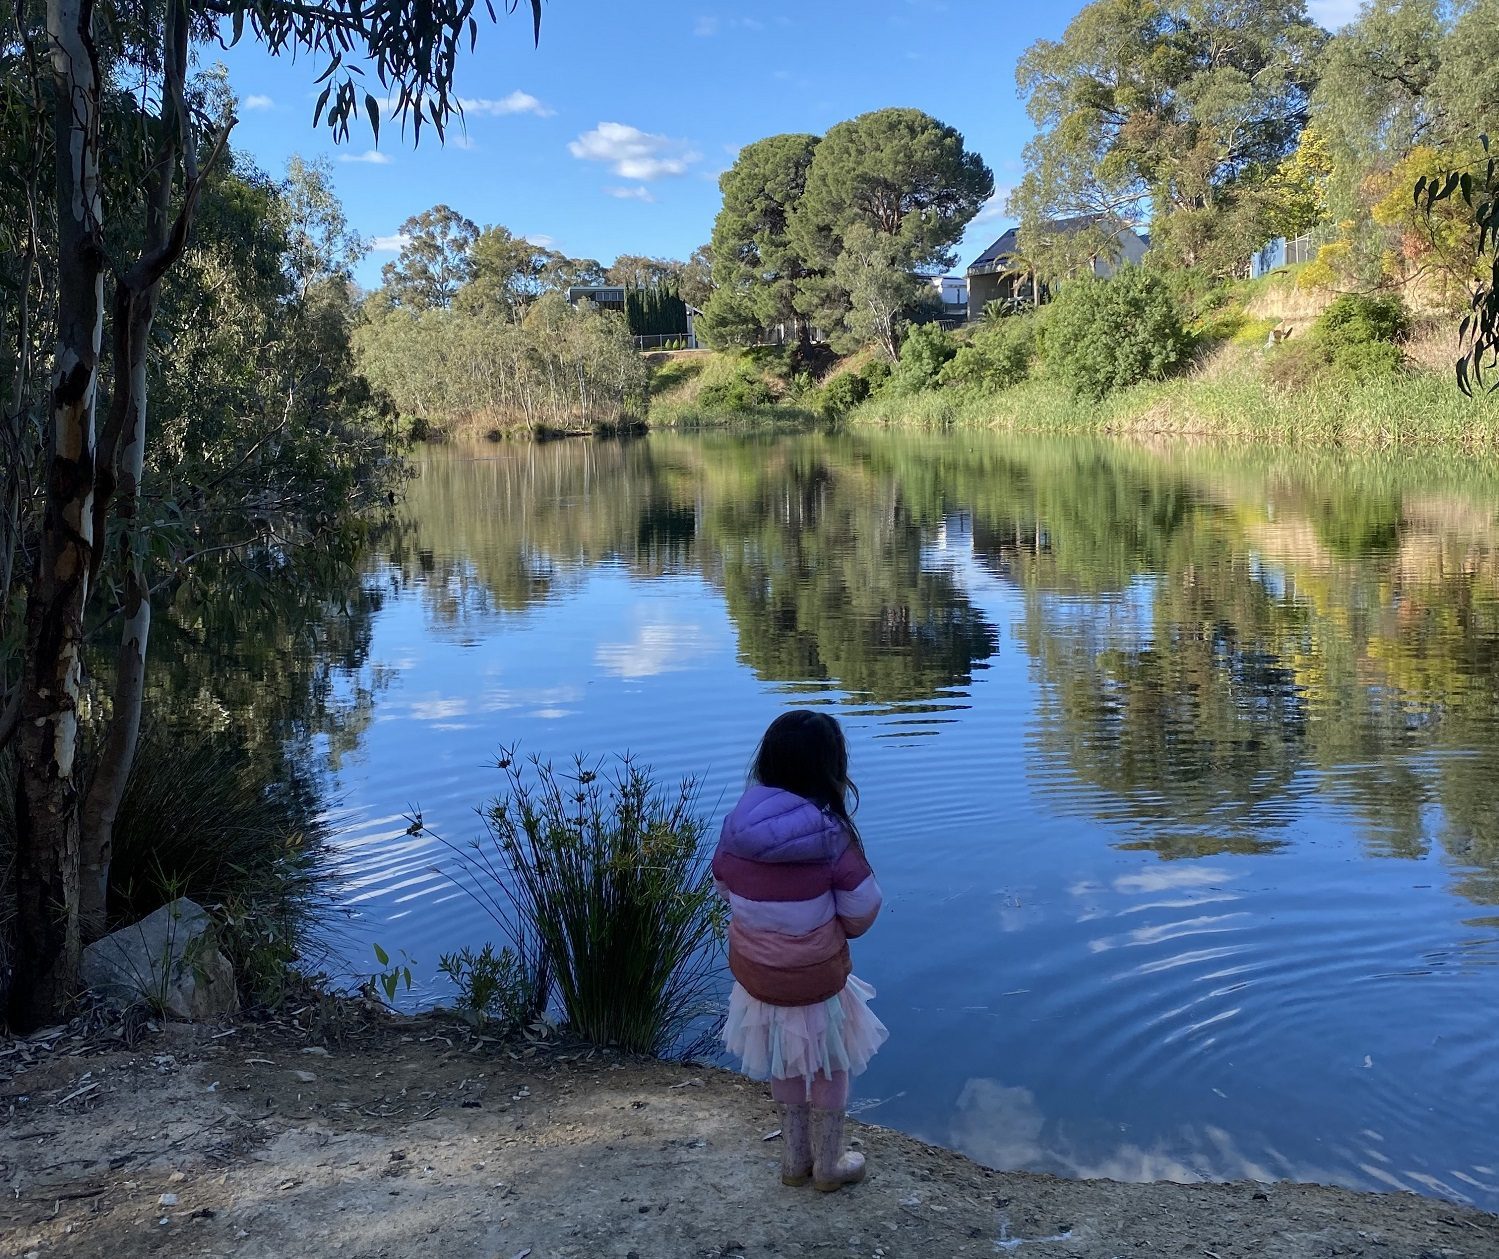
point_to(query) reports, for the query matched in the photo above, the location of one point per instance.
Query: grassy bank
(726, 388)
(1414, 409)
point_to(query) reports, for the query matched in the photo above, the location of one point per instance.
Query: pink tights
(826, 1092)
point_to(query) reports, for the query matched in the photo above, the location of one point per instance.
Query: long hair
(804, 752)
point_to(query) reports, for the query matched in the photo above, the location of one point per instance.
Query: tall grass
(1413, 409)
(602, 878)
(200, 818)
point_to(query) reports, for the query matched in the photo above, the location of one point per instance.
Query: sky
(610, 136)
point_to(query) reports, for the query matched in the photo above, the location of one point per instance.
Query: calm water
(1178, 770)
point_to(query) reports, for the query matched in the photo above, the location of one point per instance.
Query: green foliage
(900, 174)
(1478, 188)
(877, 372)
(496, 987)
(756, 264)
(608, 875)
(743, 391)
(655, 311)
(436, 260)
(1105, 334)
(1189, 105)
(392, 977)
(199, 819)
(561, 368)
(842, 394)
(999, 355)
(924, 353)
(1358, 318)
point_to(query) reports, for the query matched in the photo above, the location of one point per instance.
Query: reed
(601, 879)
(1411, 409)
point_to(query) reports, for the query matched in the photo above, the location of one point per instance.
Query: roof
(1008, 244)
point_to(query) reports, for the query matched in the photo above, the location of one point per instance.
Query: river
(1178, 767)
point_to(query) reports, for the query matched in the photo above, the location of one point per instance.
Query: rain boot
(832, 1166)
(796, 1145)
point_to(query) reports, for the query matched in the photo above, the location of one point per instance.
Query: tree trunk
(122, 459)
(133, 317)
(46, 963)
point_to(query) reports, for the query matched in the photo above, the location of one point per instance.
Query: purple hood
(769, 824)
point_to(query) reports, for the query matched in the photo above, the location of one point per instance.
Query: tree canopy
(1176, 110)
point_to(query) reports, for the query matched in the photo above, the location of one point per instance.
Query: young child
(791, 865)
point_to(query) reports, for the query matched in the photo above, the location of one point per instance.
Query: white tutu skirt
(785, 1041)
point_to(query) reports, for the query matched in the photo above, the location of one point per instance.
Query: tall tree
(902, 174)
(1178, 109)
(93, 491)
(639, 272)
(436, 259)
(757, 267)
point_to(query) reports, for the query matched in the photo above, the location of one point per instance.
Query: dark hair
(804, 752)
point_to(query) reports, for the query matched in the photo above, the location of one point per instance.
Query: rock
(169, 960)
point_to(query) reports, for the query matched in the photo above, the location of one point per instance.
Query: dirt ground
(417, 1138)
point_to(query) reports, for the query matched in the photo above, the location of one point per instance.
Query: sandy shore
(416, 1138)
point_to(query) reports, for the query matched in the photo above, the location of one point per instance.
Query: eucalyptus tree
(1181, 108)
(87, 66)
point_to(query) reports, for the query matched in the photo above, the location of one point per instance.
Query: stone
(169, 960)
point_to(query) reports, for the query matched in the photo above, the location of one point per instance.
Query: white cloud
(638, 193)
(389, 244)
(1333, 13)
(632, 153)
(705, 27)
(994, 208)
(656, 648)
(259, 102)
(517, 102)
(458, 140)
(373, 156)
(541, 240)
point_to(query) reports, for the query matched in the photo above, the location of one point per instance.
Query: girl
(791, 865)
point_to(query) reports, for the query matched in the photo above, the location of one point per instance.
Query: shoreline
(324, 1134)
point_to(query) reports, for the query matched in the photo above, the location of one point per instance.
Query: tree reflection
(1216, 639)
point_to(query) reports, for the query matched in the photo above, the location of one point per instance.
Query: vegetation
(558, 369)
(1102, 335)
(601, 883)
(829, 232)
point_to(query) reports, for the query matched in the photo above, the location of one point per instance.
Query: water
(1178, 769)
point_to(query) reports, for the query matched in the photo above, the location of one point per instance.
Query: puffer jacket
(798, 889)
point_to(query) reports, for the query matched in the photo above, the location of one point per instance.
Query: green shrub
(1368, 361)
(842, 394)
(998, 356)
(199, 820)
(741, 392)
(876, 373)
(1363, 319)
(505, 987)
(609, 898)
(1102, 335)
(922, 356)
(1295, 366)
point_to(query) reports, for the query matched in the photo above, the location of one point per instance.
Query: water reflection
(1178, 766)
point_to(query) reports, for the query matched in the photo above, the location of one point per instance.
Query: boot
(796, 1145)
(832, 1166)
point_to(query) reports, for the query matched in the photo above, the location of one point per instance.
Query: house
(1000, 274)
(604, 296)
(952, 292)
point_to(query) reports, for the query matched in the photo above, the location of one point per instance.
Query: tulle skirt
(785, 1041)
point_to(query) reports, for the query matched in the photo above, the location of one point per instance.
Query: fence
(667, 341)
(1281, 252)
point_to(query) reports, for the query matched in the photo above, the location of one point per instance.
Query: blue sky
(609, 138)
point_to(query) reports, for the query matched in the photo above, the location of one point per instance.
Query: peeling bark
(47, 940)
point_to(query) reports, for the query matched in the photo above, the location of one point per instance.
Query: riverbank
(419, 1137)
(1236, 403)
